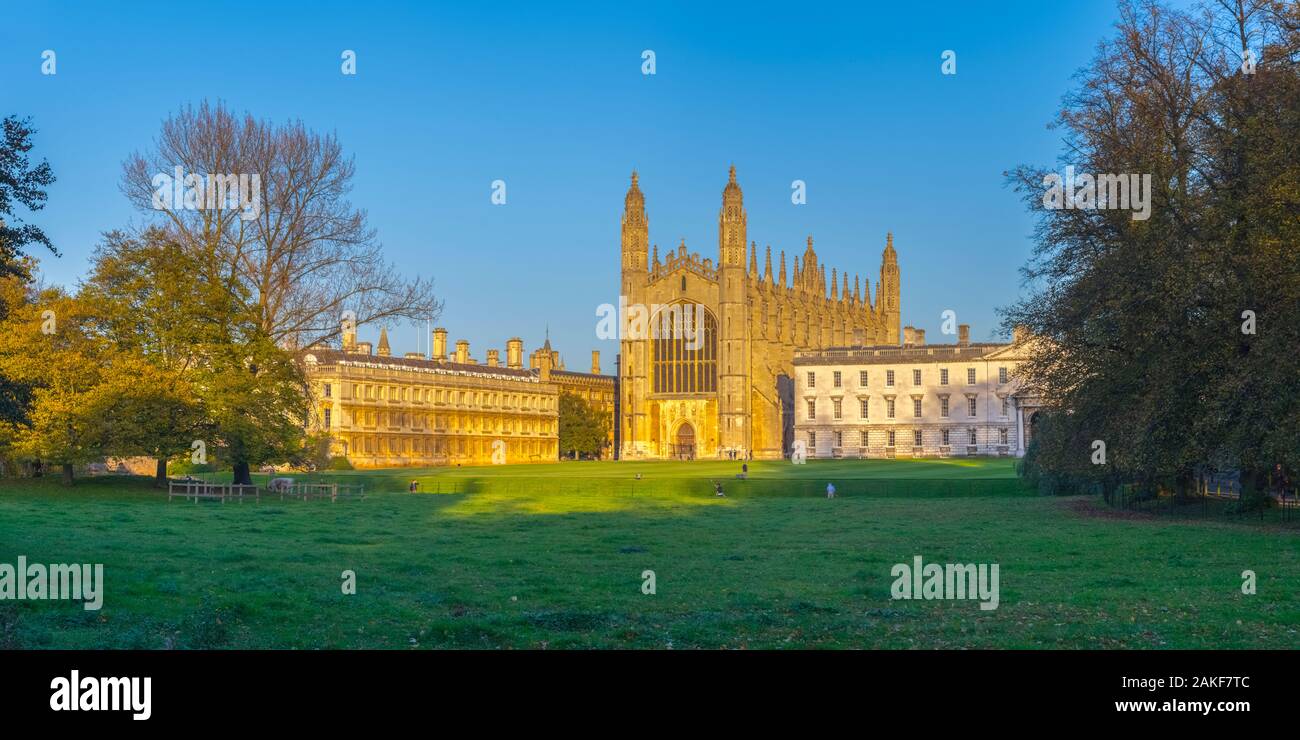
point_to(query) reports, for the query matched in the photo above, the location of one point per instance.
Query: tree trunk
(243, 476)
(67, 474)
(160, 474)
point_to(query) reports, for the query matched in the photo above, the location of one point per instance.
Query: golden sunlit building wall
(447, 409)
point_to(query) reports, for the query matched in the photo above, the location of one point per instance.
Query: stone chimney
(462, 351)
(909, 336)
(494, 358)
(920, 337)
(440, 343)
(349, 329)
(595, 362)
(544, 360)
(515, 353)
(413, 356)
(363, 348)
(963, 335)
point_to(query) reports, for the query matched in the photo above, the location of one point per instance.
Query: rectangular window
(943, 376)
(1002, 435)
(943, 407)
(1005, 406)
(327, 416)
(862, 378)
(835, 407)
(916, 438)
(864, 412)
(970, 376)
(891, 437)
(916, 377)
(889, 378)
(1002, 375)
(812, 442)
(327, 390)
(839, 439)
(812, 409)
(812, 380)
(889, 407)
(972, 436)
(970, 405)
(916, 407)
(835, 379)
(945, 438)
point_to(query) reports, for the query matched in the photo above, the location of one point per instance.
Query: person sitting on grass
(717, 487)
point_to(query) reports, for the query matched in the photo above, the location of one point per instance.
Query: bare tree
(285, 237)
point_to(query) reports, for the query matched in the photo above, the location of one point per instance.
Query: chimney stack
(493, 358)
(349, 327)
(963, 335)
(440, 344)
(363, 348)
(595, 362)
(462, 351)
(920, 337)
(515, 353)
(909, 336)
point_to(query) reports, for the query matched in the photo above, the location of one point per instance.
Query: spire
(821, 276)
(857, 285)
(783, 283)
(798, 282)
(731, 225)
(844, 294)
(890, 254)
(767, 266)
(753, 259)
(384, 350)
(656, 255)
(835, 284)
(636, 228)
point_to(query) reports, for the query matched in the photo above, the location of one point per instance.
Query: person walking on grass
(830, 490)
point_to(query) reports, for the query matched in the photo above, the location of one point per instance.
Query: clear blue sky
(449, 98)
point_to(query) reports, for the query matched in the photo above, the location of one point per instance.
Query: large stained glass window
(684, 338)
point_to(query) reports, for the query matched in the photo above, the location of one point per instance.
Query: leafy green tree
(154, 307)
(583, 429)
(1146, 346)
(24, 184)
(45, 346)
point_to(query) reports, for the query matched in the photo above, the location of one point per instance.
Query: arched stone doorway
(683, 445)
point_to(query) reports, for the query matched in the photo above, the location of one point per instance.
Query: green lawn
(553, 555)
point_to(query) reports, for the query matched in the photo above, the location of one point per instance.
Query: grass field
(552, 557)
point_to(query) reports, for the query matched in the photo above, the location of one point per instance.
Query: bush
(185, 467)
(339, 463)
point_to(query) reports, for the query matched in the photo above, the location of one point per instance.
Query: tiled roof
(334, 356)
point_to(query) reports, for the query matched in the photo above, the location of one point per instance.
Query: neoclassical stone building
(446, 409)
(916, 400)
(718, 382)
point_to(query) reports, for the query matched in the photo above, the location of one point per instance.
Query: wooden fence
(198, 490)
